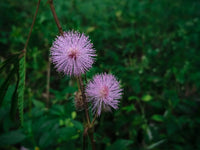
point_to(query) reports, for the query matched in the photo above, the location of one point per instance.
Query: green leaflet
(12, 137)
(13, 109)
(120, 144)
(11, 60)
(4, 87)
(156, 144)
(20, 89)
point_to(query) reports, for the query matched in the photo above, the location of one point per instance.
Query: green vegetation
(152, 46)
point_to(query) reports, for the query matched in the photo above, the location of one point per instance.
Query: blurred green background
(152, 46)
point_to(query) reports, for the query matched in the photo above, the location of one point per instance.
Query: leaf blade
(4, 87)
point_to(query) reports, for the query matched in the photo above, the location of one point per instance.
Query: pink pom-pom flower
(72, 53)
(104, 92)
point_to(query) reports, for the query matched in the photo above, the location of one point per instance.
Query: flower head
(72, 53)
(104, 92)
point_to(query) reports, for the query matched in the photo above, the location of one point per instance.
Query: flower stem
(89, 126)
(55, 16)
(84, 99)
(92, 124)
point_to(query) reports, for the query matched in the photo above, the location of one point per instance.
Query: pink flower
(72, 53)
(104, 92)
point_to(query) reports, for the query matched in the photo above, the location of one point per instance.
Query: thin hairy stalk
(55, 17)
(29, 35)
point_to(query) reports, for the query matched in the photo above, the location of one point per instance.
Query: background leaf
(14, 101)
(12, 137)
(120, 144)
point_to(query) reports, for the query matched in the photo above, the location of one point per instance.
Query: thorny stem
(29, 35)
(55, 16)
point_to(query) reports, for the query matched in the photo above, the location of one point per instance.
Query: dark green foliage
(120, 144)
(12, 137)
(14, 101)
(17, 67)
(12, 60)
(5, 85)
(152, 46)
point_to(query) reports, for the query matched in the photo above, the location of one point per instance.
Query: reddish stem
(84, 99)
(55, 16)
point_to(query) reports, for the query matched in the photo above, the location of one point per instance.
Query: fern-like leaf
(20, 89)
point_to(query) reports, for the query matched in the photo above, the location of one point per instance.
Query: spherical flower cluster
(104, 92)
(72, 53)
